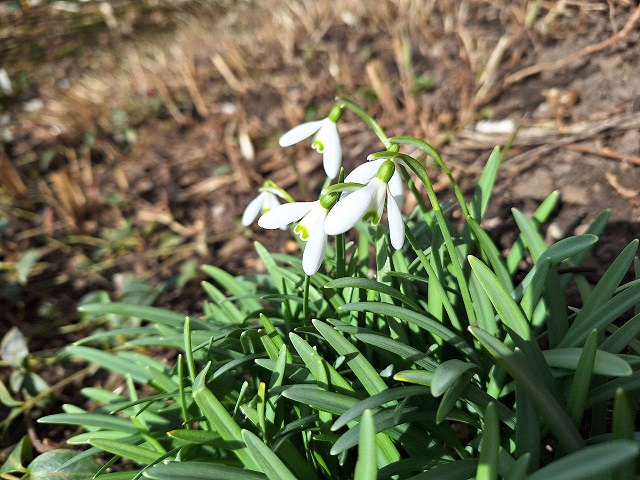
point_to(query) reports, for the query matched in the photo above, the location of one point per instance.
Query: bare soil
(135, 150)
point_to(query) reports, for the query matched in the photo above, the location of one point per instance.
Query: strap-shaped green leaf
(219, 419)
(422, 321)
(376, 401)
(367, 465)
(489, 446)
(597, 461)
(267, 461)
(525, 375)
(200, 471)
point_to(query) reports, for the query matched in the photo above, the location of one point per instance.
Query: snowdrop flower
(367, 203)
(365, 172)
(310, 228)
(266, 200)
(325, 141)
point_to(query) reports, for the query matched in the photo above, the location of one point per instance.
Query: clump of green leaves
(442, 359)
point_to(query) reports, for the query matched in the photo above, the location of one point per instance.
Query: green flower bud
(328, 200)
(386, 171)
(335, 114)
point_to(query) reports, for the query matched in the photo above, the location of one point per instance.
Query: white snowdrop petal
(299, 133)
(396, 187)
(365, 172)
(315, 249)
(332, 155)
(271, 202)
(284, 214)
(396, 224)
(253, 209)
(348, 211)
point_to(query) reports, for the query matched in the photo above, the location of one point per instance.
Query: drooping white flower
(368, 203)
(365, 172)
(265, 201)
(310, 228)
(325, 141)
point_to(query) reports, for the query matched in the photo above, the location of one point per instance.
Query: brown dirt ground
(134, 138)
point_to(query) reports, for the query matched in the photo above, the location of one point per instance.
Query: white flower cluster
(362, 196)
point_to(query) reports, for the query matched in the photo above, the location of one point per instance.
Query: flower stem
(305, 301)
(368, 119)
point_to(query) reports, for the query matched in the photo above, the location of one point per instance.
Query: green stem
(183, 395)
(188, 351)
(433, 277)
(305, 301)
(368, 119)
(456, 264)
(429, 150)
(340, 256)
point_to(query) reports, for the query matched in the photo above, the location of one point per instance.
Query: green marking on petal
(318, 146)
(301, 231)
(371, 216)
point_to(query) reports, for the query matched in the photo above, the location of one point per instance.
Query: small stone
(575, 194)
(537, 185)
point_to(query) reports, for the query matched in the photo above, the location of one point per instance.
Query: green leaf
(422, 321)
(307, 354)
(241, 290)
(46, 466)
(539, 216)
(532, 239)
(568, 247)
(360, 366)
(452, 395)
(227, 308)
(200, 471)
(323, 400)
(608, 284)
(96, 420)
(421, 377)
(220, 420)
(366, 465)
(484, 187)
(593, 462)
(194, 436)
(507, 308)
(601, 316)
(115, 362)
(21, 451)
(620, 339)
(266, 461)
(605, 364)
(447, 374)
(525, 375)
(457, 470)
(141, 455)
(492, 253)
(489, 446)
(373, 285)
(398, 348)
(582, 378)
(151, 314)
(376, 401)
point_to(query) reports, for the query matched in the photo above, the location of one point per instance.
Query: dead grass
(162, 127)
